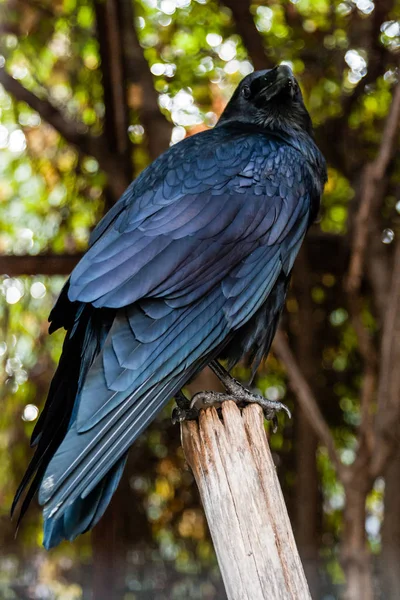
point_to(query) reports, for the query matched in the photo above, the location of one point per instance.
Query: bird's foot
(187, 410)
(242, 397)
(239, 394)
(183, 410)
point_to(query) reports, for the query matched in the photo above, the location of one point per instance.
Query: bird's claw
(207, 399)
(271, 409)
(242, 397)
(184, 414)
(183, 411)
(189, 410)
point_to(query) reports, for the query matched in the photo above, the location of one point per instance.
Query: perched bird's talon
(271, 410)
(286, 409)
(184, 411)
(207, 399)
(274, 424)
(235, 392)
(178, 415)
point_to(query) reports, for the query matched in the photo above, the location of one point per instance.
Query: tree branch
(365, 33)
(378, 268)
(307, 515)
(39, 264)
(325, 254)
(71, 131)
(370, 376)
(158, 129)
(116, 118)
(372, 175)
(308, 402)
(249, 33)
(388, 413)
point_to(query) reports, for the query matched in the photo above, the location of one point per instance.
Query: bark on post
(244, 506)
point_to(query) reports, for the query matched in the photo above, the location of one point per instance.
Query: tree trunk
(307, 502)
(356, 558)
(107, 554)
(390, 557)
(244, 506)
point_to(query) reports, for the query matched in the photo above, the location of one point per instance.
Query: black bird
(191, 265)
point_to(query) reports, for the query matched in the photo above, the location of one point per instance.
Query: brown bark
(116, 118)
(355, 556)
(40, 264)
(378, 268)
(372, 176)
(307, 499)
(308, 402)
(108, 552)
(389, 377)
(158, 130)
(103, 553)
(367, 350)
(389, 560)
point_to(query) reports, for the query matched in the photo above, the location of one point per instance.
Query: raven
(191, 265)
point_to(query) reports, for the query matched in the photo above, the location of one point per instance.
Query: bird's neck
(305, 144)
(298, 138)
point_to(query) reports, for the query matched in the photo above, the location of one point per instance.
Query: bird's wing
(183, 278)
(181, 228)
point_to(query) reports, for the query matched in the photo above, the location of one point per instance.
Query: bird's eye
(246, 92)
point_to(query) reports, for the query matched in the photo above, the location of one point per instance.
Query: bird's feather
(147, 252)
(193, 259)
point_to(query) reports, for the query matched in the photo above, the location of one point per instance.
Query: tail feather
(86, 456)
(78, 471)
(84, 513)
(85, 335)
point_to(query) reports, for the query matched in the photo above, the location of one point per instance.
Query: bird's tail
(86, 333)
(83, 513)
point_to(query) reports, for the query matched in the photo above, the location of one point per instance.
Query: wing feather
(190, 255)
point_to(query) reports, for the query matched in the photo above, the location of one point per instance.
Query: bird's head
(270, 99)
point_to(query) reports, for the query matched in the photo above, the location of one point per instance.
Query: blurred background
(90, 92)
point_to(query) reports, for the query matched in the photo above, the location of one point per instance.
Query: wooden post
(244, 506)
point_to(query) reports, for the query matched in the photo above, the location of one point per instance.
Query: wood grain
(244, 505)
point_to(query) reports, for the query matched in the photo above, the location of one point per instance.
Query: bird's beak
(274, 81)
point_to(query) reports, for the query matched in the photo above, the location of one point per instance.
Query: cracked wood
(244, 505)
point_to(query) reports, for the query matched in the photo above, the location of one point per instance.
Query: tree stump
(244, 505)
